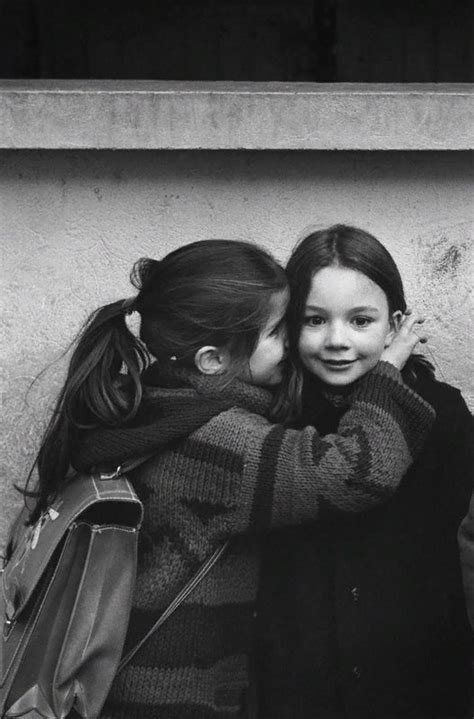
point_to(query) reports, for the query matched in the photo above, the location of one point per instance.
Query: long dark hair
(212, 292)
(343, 246)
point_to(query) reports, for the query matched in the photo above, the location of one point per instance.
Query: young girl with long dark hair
(194, 390)
(363, 616)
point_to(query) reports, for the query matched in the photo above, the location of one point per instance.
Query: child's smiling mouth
(337, 364)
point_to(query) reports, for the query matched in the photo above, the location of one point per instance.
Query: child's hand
(407, 336)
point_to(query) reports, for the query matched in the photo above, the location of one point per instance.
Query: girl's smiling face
(346, 325)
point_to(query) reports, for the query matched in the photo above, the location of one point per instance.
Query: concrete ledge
(115, 114)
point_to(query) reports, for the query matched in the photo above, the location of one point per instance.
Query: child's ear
(211, 360)
(394, 324)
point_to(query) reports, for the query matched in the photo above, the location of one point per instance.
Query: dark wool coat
(222, 471)
(364, 616)
(466, 552)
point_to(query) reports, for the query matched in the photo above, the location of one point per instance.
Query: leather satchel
(67, 593)
(68, 584)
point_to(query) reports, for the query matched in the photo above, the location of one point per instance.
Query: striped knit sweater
(222, 470)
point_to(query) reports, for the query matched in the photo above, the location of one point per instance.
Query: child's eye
(313, 320)
(362, 321)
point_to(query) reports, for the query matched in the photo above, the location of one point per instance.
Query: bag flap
(34, 546)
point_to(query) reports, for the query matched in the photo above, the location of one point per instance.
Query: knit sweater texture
(224, 471)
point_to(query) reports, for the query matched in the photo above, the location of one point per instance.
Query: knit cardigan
(234, 475)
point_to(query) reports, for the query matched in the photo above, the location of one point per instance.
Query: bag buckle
(110, 475)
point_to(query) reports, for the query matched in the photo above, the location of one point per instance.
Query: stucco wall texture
(72, 223)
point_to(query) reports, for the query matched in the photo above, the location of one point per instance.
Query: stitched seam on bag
(78, 597)
(104, 492)
(105, 527)
(115, 495)
(88, 638)
(17, 563)
(47, 556)
(119, 495)
(99, 529)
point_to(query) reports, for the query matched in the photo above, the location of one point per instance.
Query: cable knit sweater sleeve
(291, 476)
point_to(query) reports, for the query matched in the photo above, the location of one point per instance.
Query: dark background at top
(254, 40)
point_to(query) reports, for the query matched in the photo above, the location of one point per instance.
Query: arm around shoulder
(298, 473)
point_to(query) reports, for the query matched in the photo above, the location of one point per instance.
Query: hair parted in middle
(353, 248)
(337, 246)
(341, 246)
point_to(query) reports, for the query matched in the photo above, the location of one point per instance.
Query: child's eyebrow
(362, 308)
(314, 308)
(365, 308)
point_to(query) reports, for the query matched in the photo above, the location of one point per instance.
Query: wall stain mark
(450, 261)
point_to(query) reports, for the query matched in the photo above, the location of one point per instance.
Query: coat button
(355, 593)
(356, 672)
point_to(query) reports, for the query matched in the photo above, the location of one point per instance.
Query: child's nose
(336, 335)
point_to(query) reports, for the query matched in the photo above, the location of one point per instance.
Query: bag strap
(124, 468)
(185, 592)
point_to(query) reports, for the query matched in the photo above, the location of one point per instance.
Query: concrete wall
(72, 223)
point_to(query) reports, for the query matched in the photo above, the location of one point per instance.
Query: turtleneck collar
(339, 397)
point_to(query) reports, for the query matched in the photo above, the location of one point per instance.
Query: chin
(338, 383)
(336, 380)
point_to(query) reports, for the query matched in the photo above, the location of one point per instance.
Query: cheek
(308, 349)
(264, 354)
(308, 342)
(375, 343)
(301, 345)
